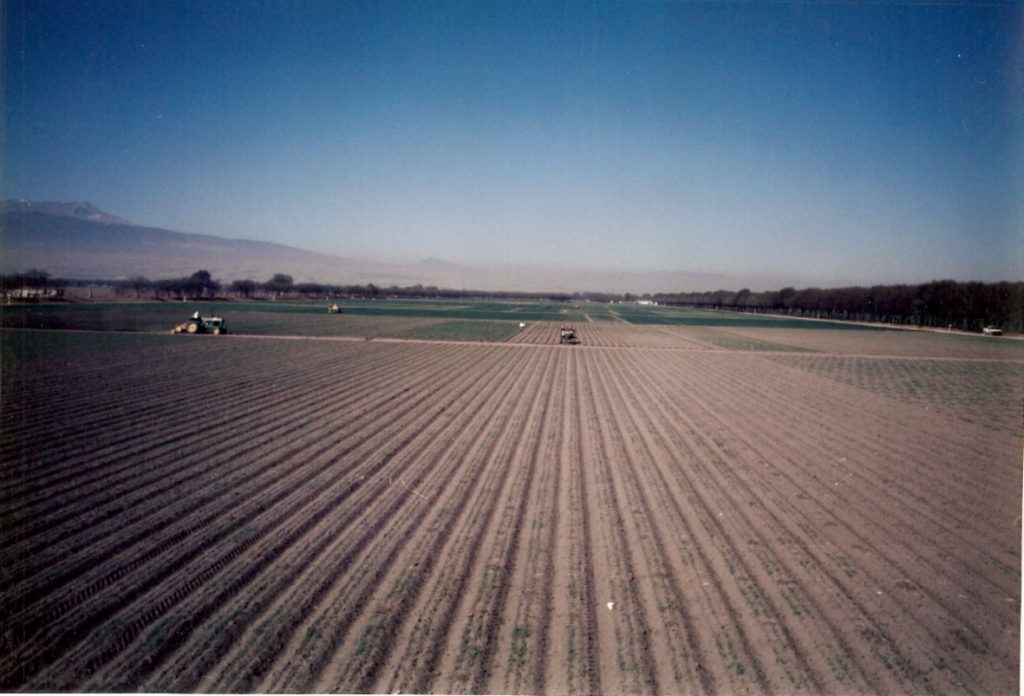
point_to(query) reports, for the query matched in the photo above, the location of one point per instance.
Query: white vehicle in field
(992, 331)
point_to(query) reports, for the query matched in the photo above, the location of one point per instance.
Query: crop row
(284, 515)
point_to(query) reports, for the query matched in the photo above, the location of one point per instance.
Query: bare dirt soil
(657, 510)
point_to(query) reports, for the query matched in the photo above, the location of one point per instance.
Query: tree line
(201, 286)
(940, 303)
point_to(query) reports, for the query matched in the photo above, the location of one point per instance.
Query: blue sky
(813, 143)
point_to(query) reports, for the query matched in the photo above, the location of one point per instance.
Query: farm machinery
(199, 324)
(568, 336)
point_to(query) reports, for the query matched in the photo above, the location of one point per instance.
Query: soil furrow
(119, 544)
(826, 576)
(630, 624)
(303, 523)
(628, 420)
(92, 524)
(249, 668)
(89, 619)
(909, 516)
(852, 528)
(435, 610)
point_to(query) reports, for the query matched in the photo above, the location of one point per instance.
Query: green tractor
(198, 325)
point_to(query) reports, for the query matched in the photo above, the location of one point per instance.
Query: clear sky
(820, 143)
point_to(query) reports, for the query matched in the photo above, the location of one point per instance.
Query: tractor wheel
(193, 328)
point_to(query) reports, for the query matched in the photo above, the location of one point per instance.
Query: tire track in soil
(87, 621)
(437, 609)
(247, 667)
(303, 529)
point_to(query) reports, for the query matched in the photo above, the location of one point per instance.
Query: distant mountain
(77, 240)
(79, 211)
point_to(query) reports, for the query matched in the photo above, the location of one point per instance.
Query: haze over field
(703, 145)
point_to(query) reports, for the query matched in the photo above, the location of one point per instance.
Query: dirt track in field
(648, 512)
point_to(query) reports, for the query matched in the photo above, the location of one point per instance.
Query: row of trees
(200, 285)
(940, 303)
(33, 279)
(196, 286)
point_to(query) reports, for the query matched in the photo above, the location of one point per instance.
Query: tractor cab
(567, 335)
(200, 324)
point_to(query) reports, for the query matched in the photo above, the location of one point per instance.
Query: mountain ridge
(77, 240)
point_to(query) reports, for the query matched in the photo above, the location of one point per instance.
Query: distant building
(34, 293)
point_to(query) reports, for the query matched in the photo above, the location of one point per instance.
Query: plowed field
(661, 509)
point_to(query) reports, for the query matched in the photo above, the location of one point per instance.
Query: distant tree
(174, 287)
(311, 289)
(245, 288)
(202, 284)
(140, 285)
(785, 298)
(34, 278)
(281, 282)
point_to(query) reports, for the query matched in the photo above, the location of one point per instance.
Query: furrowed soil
(661, 509)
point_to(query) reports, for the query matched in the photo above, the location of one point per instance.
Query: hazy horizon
(783, 144)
